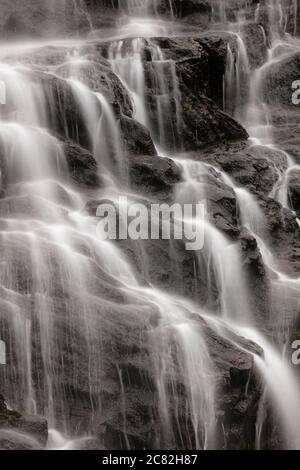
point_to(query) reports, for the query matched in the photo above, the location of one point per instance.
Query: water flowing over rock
(137, 342)
(19, 432)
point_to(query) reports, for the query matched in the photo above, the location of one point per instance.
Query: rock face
(294, 190)
(251, 167)
(123, 324)
(136, 137)
(21, 432)
(255, 41)
(81, 165)
(200, 66)
(105, 308)
(236, 409)
(153, 175)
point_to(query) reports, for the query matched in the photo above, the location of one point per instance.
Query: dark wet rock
(166, 262)
(193, 78)
(82, 165)
(200, 66)
(251, 254)
(235, 410)
(109, 362)
(285, 236)
(205, 123)
(200, 62)
(220, 202)
(255, 41)
(258, 279)
(183, 8)
(136, 137)
(196, 12)
(239, 387)
(96, 73)
(294, 190)
(21, 432)
(154, 175)
(250, 167)
(65, 116)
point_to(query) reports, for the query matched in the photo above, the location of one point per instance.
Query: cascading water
(127, 58)
(257, 118)
(83, 329)
(236, 77)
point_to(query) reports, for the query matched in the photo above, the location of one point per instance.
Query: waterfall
(55, 240)
(128, 63)
(259, 125)
(236, 78)
(100, 344)
(282, 387)
(217, 251)
(102, 128)
(143, 8)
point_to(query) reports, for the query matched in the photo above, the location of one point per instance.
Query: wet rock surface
(200, 66)
(122, 323)
(21, 432)
(294, 189)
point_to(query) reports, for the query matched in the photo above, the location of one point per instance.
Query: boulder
(251, 167)
(82, 166)
(156, 176)
(236, 409)
(136, 138)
